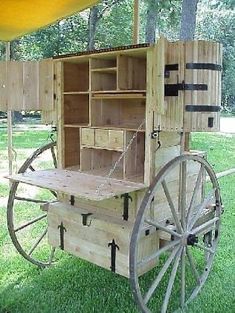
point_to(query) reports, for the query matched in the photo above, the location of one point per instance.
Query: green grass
(220, 149)
(73, 285)
(24, 139)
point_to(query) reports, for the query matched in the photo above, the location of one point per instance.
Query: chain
(112, 170)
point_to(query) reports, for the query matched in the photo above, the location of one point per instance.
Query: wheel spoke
(30, 200)
(30, 222)
(183, 277)
(172, 207)
(195, 192)
(171, 282)
(37, 242)
(201, 207)
(201, 247)
(182, 193)
(204, 227)
(163, 228)
(54, 156)
(160, 275)
(158, 253)
(193, 265)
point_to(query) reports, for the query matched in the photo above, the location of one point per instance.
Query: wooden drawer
(88, 137)
(102, 138)
(116, 139)
(109, 139)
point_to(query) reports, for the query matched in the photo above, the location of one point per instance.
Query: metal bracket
(72, 200)
(169, 68)
(172, 90)
(113, 246)
(62, 231)
(125, 214)
(84, 219)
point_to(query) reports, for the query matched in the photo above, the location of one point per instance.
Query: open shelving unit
(103, 106)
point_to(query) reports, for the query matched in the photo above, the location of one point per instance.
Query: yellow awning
(20, 17)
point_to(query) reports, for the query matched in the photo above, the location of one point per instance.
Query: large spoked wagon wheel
(188, 227)
(27, 210)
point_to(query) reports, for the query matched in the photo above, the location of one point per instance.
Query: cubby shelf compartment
(120, 113)
(76, 76)
(71, 147)
(76, 109)
(100, 161)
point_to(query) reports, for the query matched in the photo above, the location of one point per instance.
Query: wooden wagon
(126, 193)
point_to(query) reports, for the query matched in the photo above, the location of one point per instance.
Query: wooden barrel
(202, 85)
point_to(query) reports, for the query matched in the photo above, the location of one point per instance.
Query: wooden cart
(126, 193)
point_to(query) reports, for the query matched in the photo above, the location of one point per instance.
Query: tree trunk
(188, 19)
(151, 24)
(92, 24)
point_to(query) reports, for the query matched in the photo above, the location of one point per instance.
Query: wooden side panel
(31, 86)
(3, 86)
(15, 85)
(91, 241)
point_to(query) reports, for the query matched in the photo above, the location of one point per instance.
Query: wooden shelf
(119, 96)
(118, 91)
(76, 125)
(108, 70)
(76, 92)
(101, 148)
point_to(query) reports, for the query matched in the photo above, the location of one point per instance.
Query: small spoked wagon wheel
(183, 206)
(27, 210)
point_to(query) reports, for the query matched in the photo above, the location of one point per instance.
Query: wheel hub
(192, 239)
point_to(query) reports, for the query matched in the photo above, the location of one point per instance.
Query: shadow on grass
(71, 286)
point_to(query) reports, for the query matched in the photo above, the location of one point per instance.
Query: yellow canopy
(20, 17)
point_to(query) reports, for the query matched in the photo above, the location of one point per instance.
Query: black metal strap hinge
(172, 90)
(113, 246)
(72, 200)
(62, 231)
(126, 197)
(169, 68)
(203, 66)
(84, 219)
(202, 108)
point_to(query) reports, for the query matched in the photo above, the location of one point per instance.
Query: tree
(151, 20)
(188, 19)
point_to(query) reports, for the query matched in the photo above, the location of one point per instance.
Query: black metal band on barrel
(202, 108)
(203, 66)
(172, 90)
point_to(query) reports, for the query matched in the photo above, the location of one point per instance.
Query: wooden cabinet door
(27, 86)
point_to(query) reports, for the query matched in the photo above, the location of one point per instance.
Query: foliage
(219, 25)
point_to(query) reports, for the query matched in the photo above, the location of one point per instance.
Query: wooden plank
(31, 86)
(46, 85)
(77, 183)
(3, 86)
(159, 74)
(15, 85)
